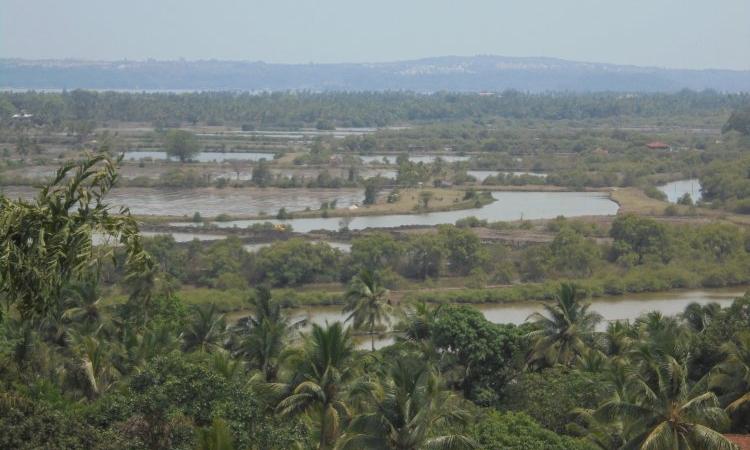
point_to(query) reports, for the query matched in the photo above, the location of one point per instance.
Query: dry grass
(409, 200)
(288, 159)
(633, 200)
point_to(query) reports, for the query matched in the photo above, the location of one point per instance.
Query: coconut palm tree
(406, 410)
(368, 304)
(731, 378)
(618, 337)
(94, 370)
(561, 332)
(82, 308)
(224, 364)
(654, 326)
(216, 437)
(205, 331)
(698, 316)
(52, 326)
(591, 360)
(602, 435)
(659, 337)
(418, 320)
(82, 302)
(26, 354)
(260, 337)
(141, 346)
(659, 412)
(324, 370)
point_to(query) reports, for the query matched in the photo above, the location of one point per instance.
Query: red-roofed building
(742, 440)
(658, 145)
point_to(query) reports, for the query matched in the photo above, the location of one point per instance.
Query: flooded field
(212, 201)
(202, 156)
(507, 206)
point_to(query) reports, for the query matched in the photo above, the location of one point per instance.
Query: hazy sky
(665, 33)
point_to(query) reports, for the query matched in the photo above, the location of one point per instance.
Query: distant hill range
(450, 73)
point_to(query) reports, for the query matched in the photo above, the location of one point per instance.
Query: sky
(692, 34)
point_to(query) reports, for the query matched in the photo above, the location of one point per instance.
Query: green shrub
(518, 431)
(672, 210)
(229, 280)
(549, 396)
(33, 424)
(655, 193)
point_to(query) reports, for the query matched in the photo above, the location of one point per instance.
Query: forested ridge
(356, 109)
(478, 73)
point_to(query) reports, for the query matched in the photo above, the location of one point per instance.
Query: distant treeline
(342, 109)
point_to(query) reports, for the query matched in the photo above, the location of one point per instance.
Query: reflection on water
(508, 206)
(677, 189)
(202, 156)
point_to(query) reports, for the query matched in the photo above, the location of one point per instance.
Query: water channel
(507, 206)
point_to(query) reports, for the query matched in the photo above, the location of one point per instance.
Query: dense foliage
(346, 109)
(636, 254)
(146, 371)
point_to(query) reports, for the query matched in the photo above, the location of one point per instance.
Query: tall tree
(731, 378)
(47, 244)
(462, 246)
(561, 334)
(216, 437)
(368, 304)
(206, 331)
(325, 369)
(698, 316)
(660, 412)
(83, 302)
(638, 239)
(94, 370)
(426, 256)
(408, 409)
(181, 144)
(260, 337)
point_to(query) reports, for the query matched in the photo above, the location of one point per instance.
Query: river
(507, 206)
(612, 308)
